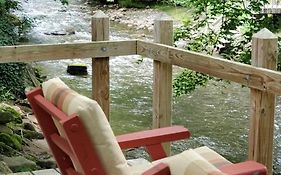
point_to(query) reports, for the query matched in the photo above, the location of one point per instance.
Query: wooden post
(264, 54)
(162, 80)
(100, 66)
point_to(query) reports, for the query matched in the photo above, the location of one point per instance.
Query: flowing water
(217, 115)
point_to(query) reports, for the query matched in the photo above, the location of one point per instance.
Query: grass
(178, 13)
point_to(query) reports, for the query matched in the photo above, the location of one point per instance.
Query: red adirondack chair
(75, 154)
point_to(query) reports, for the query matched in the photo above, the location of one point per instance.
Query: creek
(217, 115)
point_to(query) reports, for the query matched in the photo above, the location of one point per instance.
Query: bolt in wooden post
(162, 80)
(264, 54)
(100, 66)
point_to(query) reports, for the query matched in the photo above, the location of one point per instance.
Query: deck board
(39, 172)
(46, 172)
(21, 173)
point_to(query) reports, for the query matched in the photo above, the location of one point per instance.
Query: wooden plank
(264, 54)
(162, 80)
(28, 53)
(46, 172)
(254, 77)
(21, 173)
(100, 80)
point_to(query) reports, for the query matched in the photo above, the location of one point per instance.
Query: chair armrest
(152, 137)
(159, 169)
(244, 168)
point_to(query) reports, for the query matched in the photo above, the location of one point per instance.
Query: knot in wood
(247, 77)
(104, 49)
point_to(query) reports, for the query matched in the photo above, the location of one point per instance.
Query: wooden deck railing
(264, 83)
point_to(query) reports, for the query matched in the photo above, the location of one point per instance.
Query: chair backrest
(85, 144)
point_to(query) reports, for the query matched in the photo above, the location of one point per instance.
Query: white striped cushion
(93, 119)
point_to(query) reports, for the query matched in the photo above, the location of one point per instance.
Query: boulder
(56, 33)
(4, 168)
(11, 140)
(47, 163)
(28, 126)
(7, 150)
(29, 134)
(9, 113)
(6, 117)
(5, 129)
(19, 163)
(77, 69)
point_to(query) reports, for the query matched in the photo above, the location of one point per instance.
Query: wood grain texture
(162, 80)
(43, 52)
(46, 172)
(21, 173)
(250, 76)
(100, 81)
(264, 54)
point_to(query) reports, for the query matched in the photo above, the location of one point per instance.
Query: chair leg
(156, 151)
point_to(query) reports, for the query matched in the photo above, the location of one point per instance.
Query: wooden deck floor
(39, 172)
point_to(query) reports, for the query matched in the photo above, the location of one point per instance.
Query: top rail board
(254, 77)
(43, 52)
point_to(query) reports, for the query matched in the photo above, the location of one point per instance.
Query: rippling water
(217, 115)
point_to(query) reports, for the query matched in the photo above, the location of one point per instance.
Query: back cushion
(94, 120)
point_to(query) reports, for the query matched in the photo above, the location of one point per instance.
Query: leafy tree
(12, 28)
(238, 20)
(13, 79)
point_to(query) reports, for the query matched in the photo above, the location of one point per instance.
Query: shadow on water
(217, 115)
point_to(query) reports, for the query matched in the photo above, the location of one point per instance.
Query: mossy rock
(9, 112)
(11, 140)
(5, 129)
(6, 117)
(29, 126)
(46, 163)
(7, 150)
(29, 134)
(20, 164)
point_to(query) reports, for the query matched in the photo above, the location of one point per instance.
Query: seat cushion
(94, 120)
(189, 163)
(211, 156)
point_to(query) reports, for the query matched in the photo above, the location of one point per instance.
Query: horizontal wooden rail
(254, 77)
(45, 52)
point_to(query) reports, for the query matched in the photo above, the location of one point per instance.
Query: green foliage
(12, 29)
(6, 150)
(9, 109)
(12, 80)
(5, 94)
(231, 39)
(187, 81)
(131, 4)
(127, 3)
(182, 3)
(10, 140)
